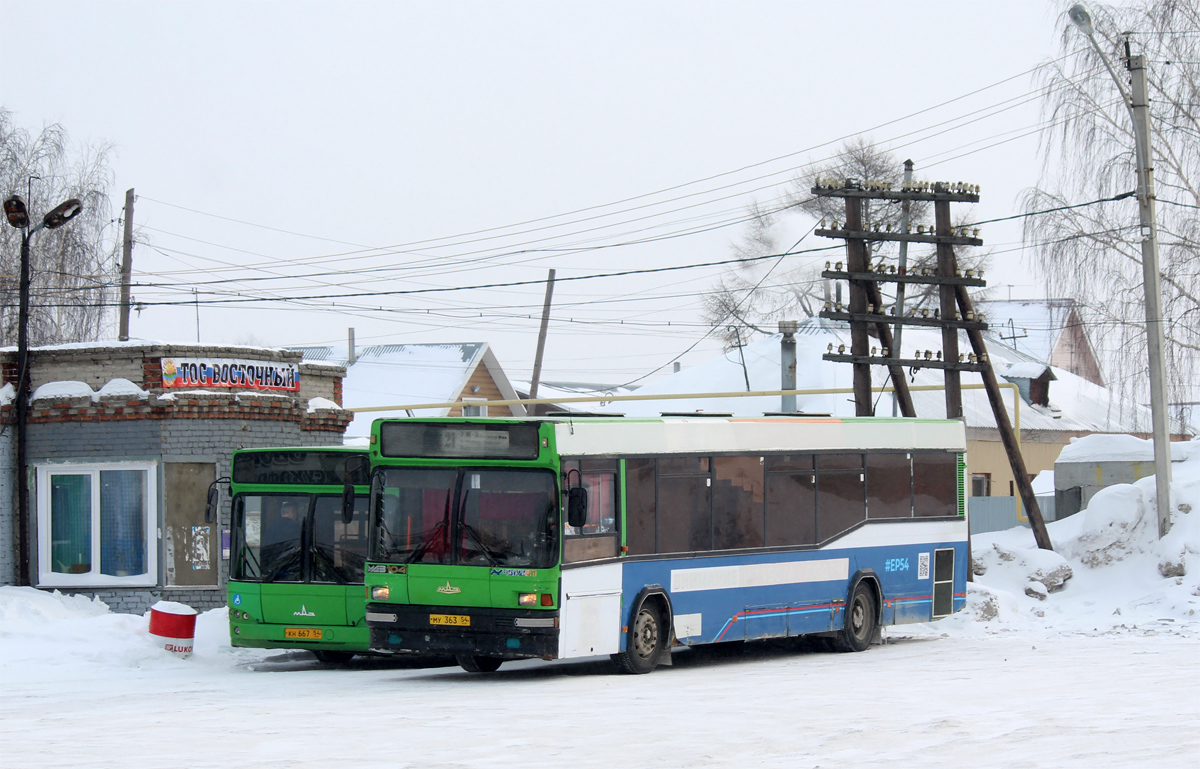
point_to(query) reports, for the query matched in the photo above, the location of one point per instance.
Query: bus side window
(640, 507)
(935, 484)
(791, 501)
(597, 538)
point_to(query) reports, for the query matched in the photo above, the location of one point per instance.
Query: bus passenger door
(590, 622)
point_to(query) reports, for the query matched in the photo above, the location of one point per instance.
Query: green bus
(299, 538)
(570, 537)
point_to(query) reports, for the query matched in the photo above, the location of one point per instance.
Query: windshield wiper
(293, 556)
(470, 530)
(329, 562)
(426, 541)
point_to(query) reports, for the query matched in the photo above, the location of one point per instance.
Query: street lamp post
(18, 216)
(1137, 103)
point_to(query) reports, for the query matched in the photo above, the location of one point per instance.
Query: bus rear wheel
(859, 627)
(473, 664)
(332, 658)
(646, 642)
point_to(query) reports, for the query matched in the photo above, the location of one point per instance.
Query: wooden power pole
(126, 266)
(955, 310)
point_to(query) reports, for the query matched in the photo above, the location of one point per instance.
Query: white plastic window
(97, 525)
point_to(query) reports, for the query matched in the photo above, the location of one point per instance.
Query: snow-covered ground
(1089, 657)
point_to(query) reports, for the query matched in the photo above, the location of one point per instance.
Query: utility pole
(864, 280)
(541, 342)
(1137, 103)
(902, 266)
(126, 266)
(1151, 283)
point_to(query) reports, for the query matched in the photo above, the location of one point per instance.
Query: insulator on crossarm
(829, 348)
(841, 349)
(939, 354)
(838, 267)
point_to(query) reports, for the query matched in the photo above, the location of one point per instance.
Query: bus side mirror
(210, 506)
(576, 507)
(348, 503)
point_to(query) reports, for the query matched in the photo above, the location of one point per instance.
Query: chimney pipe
(351, 353)
(787, 364)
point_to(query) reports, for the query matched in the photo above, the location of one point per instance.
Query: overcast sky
(295, 150)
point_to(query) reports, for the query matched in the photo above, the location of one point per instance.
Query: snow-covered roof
(1036, 323)
(396, 374)
(1075, 403)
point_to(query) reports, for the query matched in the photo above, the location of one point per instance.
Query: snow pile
(322, 403)
(122, 387)
(71, 389)
(7, 394)
(72, 637)
(61, 390)
(1122, 448)
(1109, 571)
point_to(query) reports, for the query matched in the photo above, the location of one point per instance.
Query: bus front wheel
(646, 642)
(473, 664)
(332, 658)
(859, 627)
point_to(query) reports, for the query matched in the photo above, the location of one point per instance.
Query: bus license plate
(458, 620)
(303, 633)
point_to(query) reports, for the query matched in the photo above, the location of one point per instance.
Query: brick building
(123, 441)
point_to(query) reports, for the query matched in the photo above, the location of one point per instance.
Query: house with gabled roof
(400, 374)
(1049, 330)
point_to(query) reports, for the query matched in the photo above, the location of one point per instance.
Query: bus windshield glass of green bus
(466, 516)
(268, 546)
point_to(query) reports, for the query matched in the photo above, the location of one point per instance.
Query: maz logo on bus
(895, 564)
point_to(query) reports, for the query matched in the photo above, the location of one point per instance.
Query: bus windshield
(467, 516)
(298, 538)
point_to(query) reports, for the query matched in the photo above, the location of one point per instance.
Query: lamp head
(1081, 18)
(16, 213)
(62, 213)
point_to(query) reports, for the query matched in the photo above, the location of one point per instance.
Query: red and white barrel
(174, 625)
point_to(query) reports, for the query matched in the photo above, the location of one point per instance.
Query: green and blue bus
(299, 539)
(567, 537)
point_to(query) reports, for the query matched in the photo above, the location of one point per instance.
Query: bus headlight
(380, 592)
(527, 599)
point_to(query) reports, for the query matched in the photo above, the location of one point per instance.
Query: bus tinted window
(841, 501)
(789, 463)
(639, 506)
(889, 486)
(791, 509)
(738, 493)
(684, 514)
(935, 484)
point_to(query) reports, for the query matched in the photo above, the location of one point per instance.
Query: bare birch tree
(1091, 253)
(73, 272)
(752, 297)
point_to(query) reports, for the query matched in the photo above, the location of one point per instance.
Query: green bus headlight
(380, 593)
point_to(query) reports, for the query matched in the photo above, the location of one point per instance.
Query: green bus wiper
(426, 541)
(329, 562)
(289, 561)
(479, 541)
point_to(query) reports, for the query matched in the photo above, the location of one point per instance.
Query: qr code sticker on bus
(923, 566)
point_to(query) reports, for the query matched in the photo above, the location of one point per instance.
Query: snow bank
(1109, 571)
(119, 387)
(51, 635)
(71, 389)
(1122, 448)
(67, 389)
(322, 403)
(7, 394)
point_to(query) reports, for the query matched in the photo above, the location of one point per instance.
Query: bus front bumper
(505, 633)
